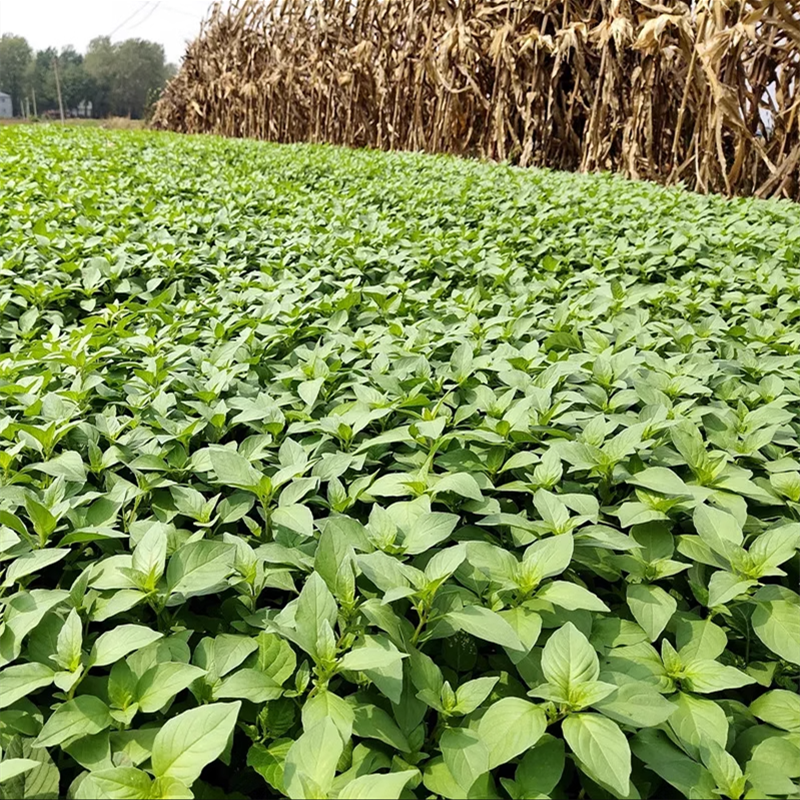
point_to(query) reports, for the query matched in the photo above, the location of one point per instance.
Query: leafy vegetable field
(334, 474)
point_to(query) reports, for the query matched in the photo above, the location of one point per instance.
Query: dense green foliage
(379, 475)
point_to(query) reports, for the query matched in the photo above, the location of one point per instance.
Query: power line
(146, 16)
(129, 18)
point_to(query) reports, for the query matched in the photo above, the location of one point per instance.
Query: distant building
(5, 106)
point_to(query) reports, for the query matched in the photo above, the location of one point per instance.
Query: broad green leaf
(83, 716)
(162, 682)
(11, 767)
(117, 643)
(569, 660)
(636, 704)
(199, 568)
(248, 684)
(31, 563)
(700, 639)
(233, 469)
(725, 586)
(550, 556)
(69, 642)
(541, 768)
(510, 727)
(365, 658)
(697, 721)
(429, 529)
(311, 760)
(377, 787)
(466, 755)
(486, 625)
(21, 680)
(704, 677)
(189, 741)
(777, 624)
(372, 722)
(693, 780)
(118, 783)
(472, 693)
(314, 606)
(780, 708)
(602, 747)
(329, 705)
(68, 465)
(571, 596)
(651, 607)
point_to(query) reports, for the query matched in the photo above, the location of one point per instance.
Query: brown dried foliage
(706, 93)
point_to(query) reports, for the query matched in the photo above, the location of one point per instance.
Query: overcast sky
(61, 22)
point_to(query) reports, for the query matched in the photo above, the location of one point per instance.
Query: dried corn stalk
(706, 93)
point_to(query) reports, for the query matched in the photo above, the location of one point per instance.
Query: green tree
(140, 70)
(15, 56)
(40, 79)
(76, 85)
(99, 63)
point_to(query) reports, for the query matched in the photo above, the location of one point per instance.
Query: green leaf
(569, 660)
(429, 529)
(696, 721)
(311, 760)
(725, 586)
(11, 767)
(162, 682)
(486, 625)
(777, 624)
(248, 684)
(191, 740)
(779, 708)
(509, 728)
(83, 716)
(466, 755)
(295, 517)
(372, 722)
(366, 658)
(461, 483)
(700, 639)
(314, 606)
(31, 563)
(68, 465)
(571, 596)
(199, 568)
(691, 779)
(636, 704)
(541, 768)
(21, 680)
(117, 643)
(651, 607)
(269, 762)
(233, 469)
(601, 747)
(550, 556)
(472, 693)
(711, 676)
(118, 783)
(69, 643)
(377, 787)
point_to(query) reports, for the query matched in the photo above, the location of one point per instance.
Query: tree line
(120, 79)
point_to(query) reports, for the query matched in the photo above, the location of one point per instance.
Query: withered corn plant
(708, 95)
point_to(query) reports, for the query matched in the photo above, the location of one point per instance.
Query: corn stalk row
(706, 94)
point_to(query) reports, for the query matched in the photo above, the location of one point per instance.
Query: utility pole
(58, 89)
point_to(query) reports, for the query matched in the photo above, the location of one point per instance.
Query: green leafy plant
(336, 474)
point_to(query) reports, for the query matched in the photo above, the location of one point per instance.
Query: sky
(57, 23)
